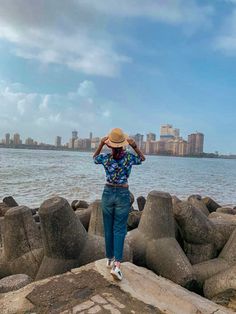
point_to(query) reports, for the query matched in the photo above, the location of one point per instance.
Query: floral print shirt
(118, 170)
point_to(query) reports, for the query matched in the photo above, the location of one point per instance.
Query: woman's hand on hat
(131, 142)
(103, 140)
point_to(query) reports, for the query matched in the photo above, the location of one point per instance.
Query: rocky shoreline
(190, 242)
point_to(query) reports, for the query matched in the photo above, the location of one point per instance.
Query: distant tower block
(7, 139)
(58, 141)
(74, 134)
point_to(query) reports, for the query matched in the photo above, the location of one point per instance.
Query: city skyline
(99, 65)
(169, 143)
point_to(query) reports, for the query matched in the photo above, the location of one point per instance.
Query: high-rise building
(16, 139)
(167, 132)
(95, 142)
(90, 136)
(161, 147)
(58, 141)
(199, 143)
(195, 143)
(74, 134)
(138, 139)
(151, 137)
(176, 132)
(182, 148)
(29, 141)
(7, 138)
(71, 143)
(72, 140)
(151, 147)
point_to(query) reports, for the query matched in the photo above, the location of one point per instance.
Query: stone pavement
(84, 292)
(91, 289)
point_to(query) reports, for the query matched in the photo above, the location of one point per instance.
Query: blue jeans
(115, 207)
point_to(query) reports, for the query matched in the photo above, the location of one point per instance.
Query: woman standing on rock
(116, 195)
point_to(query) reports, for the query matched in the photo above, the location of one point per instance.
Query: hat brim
(116, 145)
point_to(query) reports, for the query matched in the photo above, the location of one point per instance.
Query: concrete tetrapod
(229, 251)
(224, 227)
(226, 210)
(227, 258)
(220, 283)
(208, 269)
(223, 216)
(210, 204)
(4, 266)
(199, 204)
(195, 226)
(165, 257)
(84, 214)
(157, 222)
(133, 219)
(22, 241)
(198, 253)
(141, 200)
(96, 219)
(66, 242)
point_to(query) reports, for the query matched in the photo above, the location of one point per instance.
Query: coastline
(62, 148)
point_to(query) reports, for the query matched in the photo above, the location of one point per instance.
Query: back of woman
(116, 195)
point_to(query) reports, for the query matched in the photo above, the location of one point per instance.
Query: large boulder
(14, 282)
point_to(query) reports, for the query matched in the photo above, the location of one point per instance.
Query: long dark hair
(117, 152)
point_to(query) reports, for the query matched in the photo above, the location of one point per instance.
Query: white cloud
(171, 11)
(75, 33)
(43, 116)
(86, 89)
(226, 40)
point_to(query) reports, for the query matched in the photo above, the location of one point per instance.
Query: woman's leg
(121, 212)
(108, 218)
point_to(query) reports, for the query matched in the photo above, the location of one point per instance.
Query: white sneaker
(116, 273)
(110, 263)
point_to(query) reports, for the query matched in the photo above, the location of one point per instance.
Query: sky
(94, 65)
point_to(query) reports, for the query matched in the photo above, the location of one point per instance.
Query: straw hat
(117, 138)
